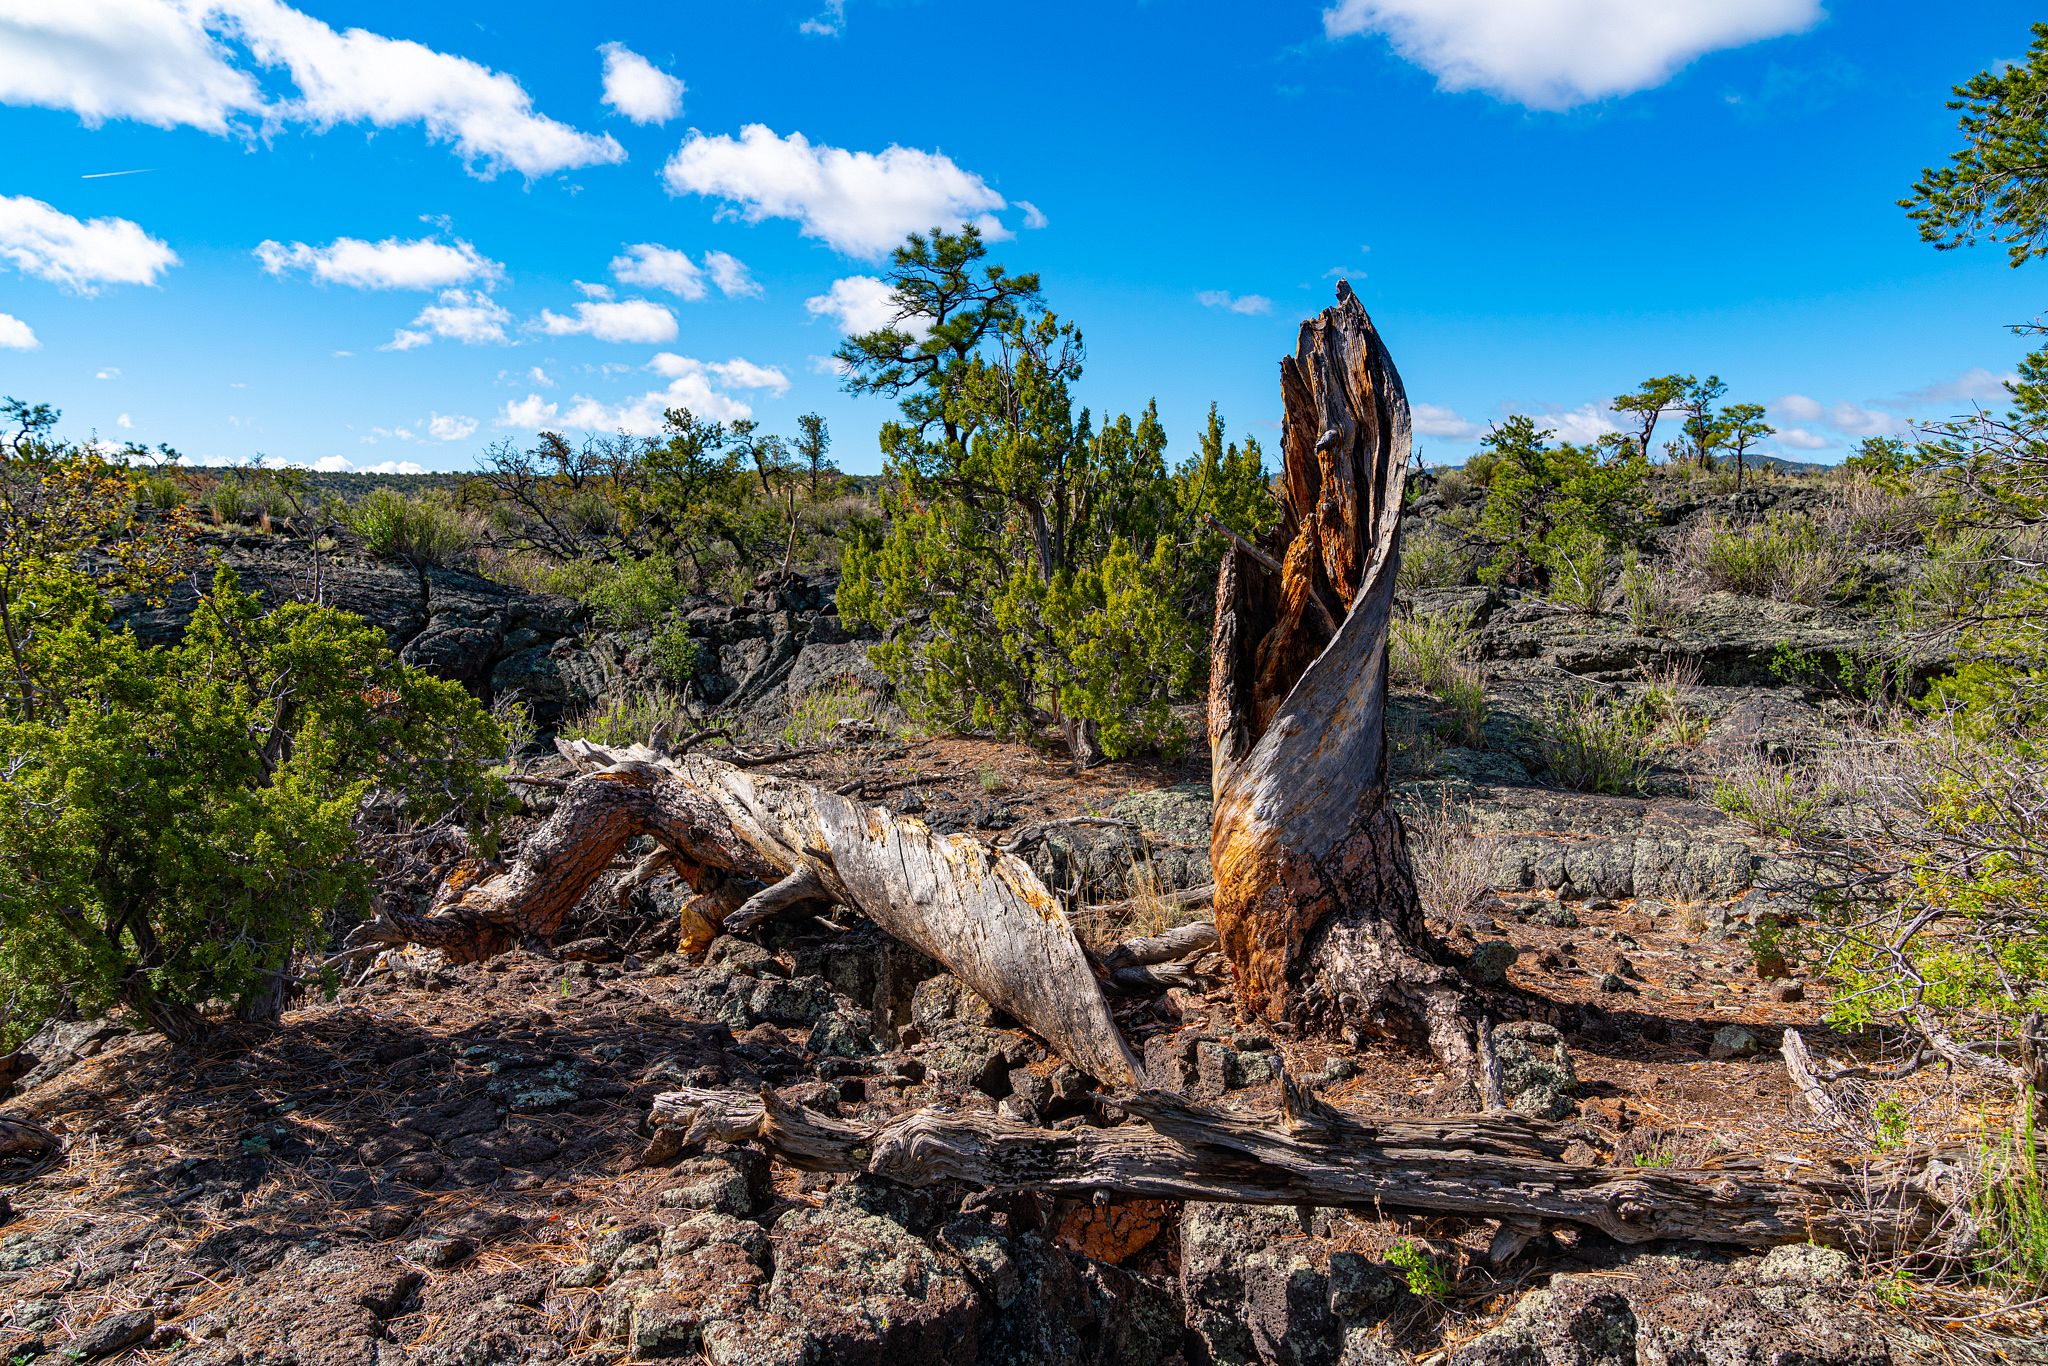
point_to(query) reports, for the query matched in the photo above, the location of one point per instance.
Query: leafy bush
(159, 492)
(1547, 505)
(1578, 562)
(177, 824)
(422, 532)
(628, 595)
(1431, 559)
(1426, 649)
(1785, 557)
(1595, 745)
(676, 654)
(631, 718)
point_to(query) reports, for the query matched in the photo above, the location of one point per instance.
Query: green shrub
(1595, 745)
(1431, 559)
(1772, 798)
(1546, 505)
(1651, 598)
(176, 825)
(1784, 557)
(676, 654)
(626, 596)
(1578, 563)
(2011, 1205)
(421, 532)
(159, 492)
(1426, 649)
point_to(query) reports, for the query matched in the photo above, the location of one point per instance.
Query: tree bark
(1315, 900)
(752, 844)
(1498, 1166)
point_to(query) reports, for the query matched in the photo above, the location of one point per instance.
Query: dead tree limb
(1315, 900)
(1497, 1166)
(751, 843)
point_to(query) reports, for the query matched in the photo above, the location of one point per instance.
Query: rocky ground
(449, 1165)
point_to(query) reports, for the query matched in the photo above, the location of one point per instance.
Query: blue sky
(378, 235)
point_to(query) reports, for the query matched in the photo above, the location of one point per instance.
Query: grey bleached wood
(981, 912)
(1497, 1166)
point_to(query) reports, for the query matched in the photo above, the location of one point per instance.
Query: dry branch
(752, 844)
(1497, 1166)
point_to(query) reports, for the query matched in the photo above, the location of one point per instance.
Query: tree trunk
(752, 844)
(1498, 1166)
(1315, 900)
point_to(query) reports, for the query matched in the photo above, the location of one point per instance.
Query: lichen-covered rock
(1537, 1076)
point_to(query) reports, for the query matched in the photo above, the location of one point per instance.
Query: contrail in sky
(102, 175)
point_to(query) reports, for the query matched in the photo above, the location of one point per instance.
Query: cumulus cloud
(421, 263)
(1799, 439)
(146, 60)
(450, 428)
(79, 254)
(1582, 425)
(862, 303)
(859, 203)
(1034, 217)
(700, 386)
(657, 267)
(1235, 303)
(392, 467)
(541, 377)
(16, 335)
(731, 276)
(1444, 423)
(467, 316)
(125, 422)
(637, 88)
(1553, 54)
(627, 320)
(1850, 419)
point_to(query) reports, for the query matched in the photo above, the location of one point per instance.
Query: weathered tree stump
(1315, 901)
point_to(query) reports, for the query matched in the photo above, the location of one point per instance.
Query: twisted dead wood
(1496, 1166)
(752, 844)
(1315, 900)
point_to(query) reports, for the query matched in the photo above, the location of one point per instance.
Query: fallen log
(753, 844)
(23, 1141)
(1497, 1166)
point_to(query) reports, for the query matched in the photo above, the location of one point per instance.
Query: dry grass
(1452, 863)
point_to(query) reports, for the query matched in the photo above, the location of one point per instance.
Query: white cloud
(16, 335)
(1582, 425)
(859, 203)
(468, 316)
(657, 267)
(697, 385)
(1034, 217)
(80, 255)
(731, 276)
(450, 428)
(830, 21)
(1552, 54)
(125, 422)
(333, 464)
(1976, 385)
(146, 60)
(1849, 418)
(862, 303)
(111, 372)
(1443, 423)
(392, 467)
(540, 377)
(594, 291)
(1238, 303)
(421, 263)
(628, 320)
(362, 77)
(1799, 439)
(637, 88)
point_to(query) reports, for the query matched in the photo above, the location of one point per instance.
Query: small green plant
(675, 654)
(1656, 1158)
(1579, 562)
(1463, 694)
(1426, 650)
(2011, 1205)
(1597, 745)
(628, 595)
(1425, 1277)
(992, 779)
(515, 722)
(159, 492)
(815, 715)
(1889, 1114)
(1767, 949)
(629, 719)
(1650, 599)
(1432, 559)
(1785, 557)
(1772, 798)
